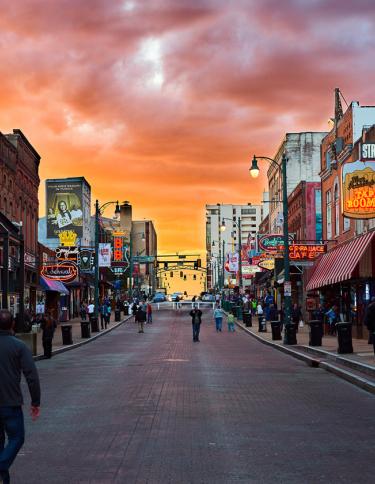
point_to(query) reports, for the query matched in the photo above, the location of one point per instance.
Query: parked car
(158, 297)
(208, 298)
(178, 295)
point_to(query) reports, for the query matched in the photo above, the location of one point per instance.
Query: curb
(83, 342)
(317, 363)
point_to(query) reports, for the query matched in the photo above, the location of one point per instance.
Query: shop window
(329, 214)
(346, 224)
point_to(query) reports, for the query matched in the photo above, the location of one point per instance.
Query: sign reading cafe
(358, 187)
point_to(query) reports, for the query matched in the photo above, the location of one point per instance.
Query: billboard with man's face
(64, 207)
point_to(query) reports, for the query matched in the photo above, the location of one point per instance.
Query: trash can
(66, 332)
(262, 324)
(276, 330)
(344, 337)
(247, 319)
(126, 310)
(94, 324)
(85, 329)
(373, 341)
(117, 315)
(316, 333)
(290, 336)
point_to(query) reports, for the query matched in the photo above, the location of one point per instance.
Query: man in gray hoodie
(15, 358)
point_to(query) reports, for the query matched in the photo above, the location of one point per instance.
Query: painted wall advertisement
(67, 206)
(358, 189)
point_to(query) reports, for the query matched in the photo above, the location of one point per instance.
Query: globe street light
(98, 211)
(290, 330)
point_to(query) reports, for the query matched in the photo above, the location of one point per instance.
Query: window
(248, 211)
(337, 209)
(329, 214)
(346, 224)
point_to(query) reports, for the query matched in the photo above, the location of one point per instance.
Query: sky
(164, 102)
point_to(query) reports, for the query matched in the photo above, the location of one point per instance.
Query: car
(158, 297)
(208, 298)
(178, 295)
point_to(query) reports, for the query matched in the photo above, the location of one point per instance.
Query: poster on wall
(64, 206)
(358, 189)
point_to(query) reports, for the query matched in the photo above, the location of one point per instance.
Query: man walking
(196, 319)
(15, 358)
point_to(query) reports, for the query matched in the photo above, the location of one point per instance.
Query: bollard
(344, 338)
(247, 319)
(316, 333)
(276, 330)
(66, 333)
(85, 329)
(290, 336)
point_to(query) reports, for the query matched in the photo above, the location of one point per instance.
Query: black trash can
(66, 332)
(373, 341)
(276, 330)
(247, 320)
(94, 322)
(126, 310)
(117, 315)
(316, 333)
(344, 337)
(85, 329)
(290, 336)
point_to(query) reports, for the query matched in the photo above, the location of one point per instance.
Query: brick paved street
(158, 408)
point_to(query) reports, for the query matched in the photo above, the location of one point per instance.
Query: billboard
(66, 206)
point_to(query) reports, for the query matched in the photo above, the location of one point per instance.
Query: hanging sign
(267, 263)
(65, 272)
(358, 188)
(305, 252)
(233, 262)
(120, 252)
(67, 253)
(105, 255)
(272, 242)
(86, 259)
(287, 288)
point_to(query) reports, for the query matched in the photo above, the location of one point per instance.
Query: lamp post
(238, 225)
(290, 332)
(98, 211)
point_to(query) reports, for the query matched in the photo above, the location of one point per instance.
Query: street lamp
(290, 332)
(98, 212)
(238, 225)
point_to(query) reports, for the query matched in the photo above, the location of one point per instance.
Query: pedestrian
(254, 305)
(48, 326)
(140, 317)
(107, 314)
(296, 315)
(103, 314)
(82, 311)
(230, 321)
(196, 320)
(91, 309)
(218, 315)
(333, 318)
(149, 313)
(15, 358)
(369, 320)
(274, 313)
(218, 299)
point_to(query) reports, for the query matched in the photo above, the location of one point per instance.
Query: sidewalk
(76, 333)
(362, 351)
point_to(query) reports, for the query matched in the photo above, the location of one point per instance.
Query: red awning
(339, 263)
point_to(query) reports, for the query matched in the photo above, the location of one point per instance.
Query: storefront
(345, 277)
(56, 300)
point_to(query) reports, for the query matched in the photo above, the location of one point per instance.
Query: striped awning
(339, 263)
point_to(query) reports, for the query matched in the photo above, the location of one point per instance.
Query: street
(158, 408)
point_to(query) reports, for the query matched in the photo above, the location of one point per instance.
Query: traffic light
(181, 274)
(171, 274)
(199, 262)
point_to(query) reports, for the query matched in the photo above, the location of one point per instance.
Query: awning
(340, 263)
(56, 286)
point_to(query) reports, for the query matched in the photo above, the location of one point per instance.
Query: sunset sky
(163, 102)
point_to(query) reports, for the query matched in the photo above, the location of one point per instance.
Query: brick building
(345, 276)
(19, 184)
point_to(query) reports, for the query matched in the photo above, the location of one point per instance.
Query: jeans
(149, 318)
(196, 329)
(12, 426)
(231, 327)
(219, 322)
(47, 347)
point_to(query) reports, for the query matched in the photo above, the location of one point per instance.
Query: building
(19, 184)
(144, 245)
(345, 275)
(220, 244)
(303, 154)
